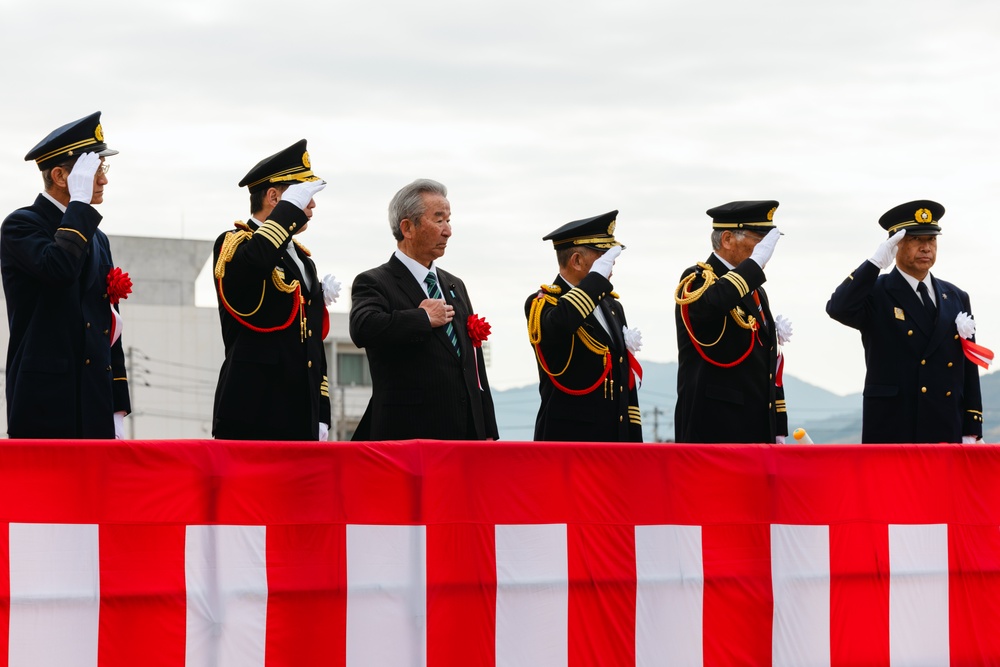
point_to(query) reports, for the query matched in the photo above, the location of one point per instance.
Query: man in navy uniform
(919, 385)
(65, 364)
(273, 383)
(728, 383)
(578, 330)
(412, 318)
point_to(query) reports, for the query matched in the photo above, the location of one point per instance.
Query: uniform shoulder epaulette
(684, 294)
(614, 295)
(239, 224)
(304, 250)
(229, 244)
(552, 289)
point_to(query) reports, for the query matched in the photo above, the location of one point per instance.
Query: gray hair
(717, 238)
(408, 203)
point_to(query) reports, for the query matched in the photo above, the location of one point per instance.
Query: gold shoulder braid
(229, 245)
(304, 250)
(684, 296)
(546, 297)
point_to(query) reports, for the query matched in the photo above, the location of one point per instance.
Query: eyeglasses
(68, 166)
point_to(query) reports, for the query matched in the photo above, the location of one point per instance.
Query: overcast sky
(534, 114)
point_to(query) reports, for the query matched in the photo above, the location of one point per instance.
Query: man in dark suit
(578, 330)
(919, 386)
(728, 380)
(65, 364)
(412, 318)
(273, 383)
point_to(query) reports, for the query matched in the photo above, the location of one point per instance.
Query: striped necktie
(434, 291)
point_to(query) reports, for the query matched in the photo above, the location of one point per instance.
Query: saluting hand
(606, 262)
(765, 247)
(301, 194)
(438, 311)
(885, 254)
(80, 181)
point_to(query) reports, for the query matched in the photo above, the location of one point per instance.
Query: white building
(174, 348)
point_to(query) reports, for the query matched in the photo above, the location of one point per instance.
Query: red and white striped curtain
(427, 553)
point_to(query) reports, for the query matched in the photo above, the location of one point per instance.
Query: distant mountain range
(827, 417)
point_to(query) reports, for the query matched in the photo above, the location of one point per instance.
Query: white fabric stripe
(669, 604)
(532, 596)
(918, 595)
(55, 595)
(225, 569)
(800, 582)
(386, 596)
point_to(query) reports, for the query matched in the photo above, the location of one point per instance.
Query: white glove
(966, 325)
(80, 181)
(765, 248)
(301, 194)
(971, 440)
(606, 262)
(783, 327)
(885, 254)
(633, 339)
(120, 425)
(331, 289)
(324, 432)
(779, 439)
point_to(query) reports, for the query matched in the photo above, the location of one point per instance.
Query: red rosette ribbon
(119, 285)
(479, 330)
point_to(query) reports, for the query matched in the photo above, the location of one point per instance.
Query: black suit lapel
(410, 288)
(406, 283)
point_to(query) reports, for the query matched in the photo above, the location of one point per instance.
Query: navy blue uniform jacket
(64, 378)
(919, 387)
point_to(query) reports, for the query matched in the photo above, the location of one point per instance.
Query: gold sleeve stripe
(67, 229)
(278, 230)
(575, 300)
(738, 282)
(975, 412)
(121, 379)
(273, 233)
(581, 300)
(269, 235)
(582, 297)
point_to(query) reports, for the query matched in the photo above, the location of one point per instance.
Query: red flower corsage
(119, 285)
(478, 328)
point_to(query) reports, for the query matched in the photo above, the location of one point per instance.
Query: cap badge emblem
(770, 214)
(611, 228)
(305, 160)
(923, 215)
(99, 133)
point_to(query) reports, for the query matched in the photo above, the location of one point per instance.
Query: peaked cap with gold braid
(918, 218)
(290, 165)
(84, 135)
